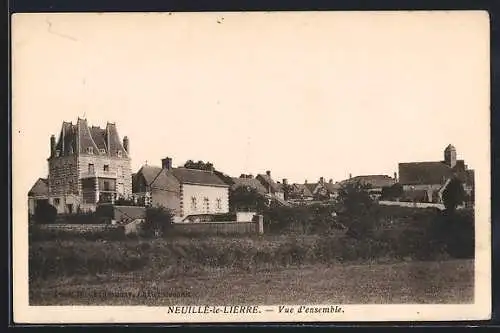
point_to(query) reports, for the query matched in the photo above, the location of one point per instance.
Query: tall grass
(420, 235)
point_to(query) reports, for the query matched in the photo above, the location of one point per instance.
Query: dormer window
(90, 150)
(119, 153)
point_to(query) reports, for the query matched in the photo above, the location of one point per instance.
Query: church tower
(450, 156)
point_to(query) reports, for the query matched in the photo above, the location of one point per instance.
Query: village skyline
(251, 99)
(136, 165)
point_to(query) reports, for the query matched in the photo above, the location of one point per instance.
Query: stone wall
(63, 175)
(411, 204)
(217, 228)
(120, 166)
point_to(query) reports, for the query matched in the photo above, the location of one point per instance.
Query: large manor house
(89, 165)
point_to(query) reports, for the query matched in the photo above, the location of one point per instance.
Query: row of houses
(89, 165)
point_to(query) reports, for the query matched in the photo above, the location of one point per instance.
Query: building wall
(168, 196)
(120, 166)
(65, 185)
(63, 176)
(199, 193)
(63, 182)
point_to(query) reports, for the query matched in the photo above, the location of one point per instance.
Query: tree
(453, 195)
(356, 208)
(246, 198)
(200, 165)
(158, 220)
(45, 212)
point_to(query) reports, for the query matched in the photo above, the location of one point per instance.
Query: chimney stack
(285, 181)
(166, 163)
(330, 181)
(395, 177)
(321, 180)
(52, 145)
(350, 175)
(126, 144)
(268, 173)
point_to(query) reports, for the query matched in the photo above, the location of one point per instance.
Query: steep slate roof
(249, 182)
(77, 138)
(200, 177)
(376, 181)
(427, 173)
(41, 187)
(99, 136)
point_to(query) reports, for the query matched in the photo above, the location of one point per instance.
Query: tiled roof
(201, 177)
(332, 187)
(268, 181)
(248, 182)
(376, 181)
(303, 189)
(40, 187)
(423, 173)
(311, 186)
(149, 173)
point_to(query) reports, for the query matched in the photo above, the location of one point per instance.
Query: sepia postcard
(251, 167)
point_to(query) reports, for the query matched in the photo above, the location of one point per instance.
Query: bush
(158, 221)
(45, 213)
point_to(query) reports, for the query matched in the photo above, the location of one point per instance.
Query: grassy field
(397, 282)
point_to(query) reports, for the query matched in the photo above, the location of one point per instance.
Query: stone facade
(88, 165)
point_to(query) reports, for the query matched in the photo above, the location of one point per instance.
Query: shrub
(45, 213)
(158, 221)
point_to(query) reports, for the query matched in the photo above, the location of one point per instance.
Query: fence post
(260, 224)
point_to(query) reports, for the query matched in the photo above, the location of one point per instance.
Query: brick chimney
(321, 180)
(166, 163)
(330, 181)
(350, 175)
(395, 177)
(285, 181)
(268, 173)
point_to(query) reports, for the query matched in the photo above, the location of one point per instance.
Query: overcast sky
(303, 95)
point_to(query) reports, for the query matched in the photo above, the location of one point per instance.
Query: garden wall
(218, 228)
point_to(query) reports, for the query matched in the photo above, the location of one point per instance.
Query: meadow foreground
(400, 282)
